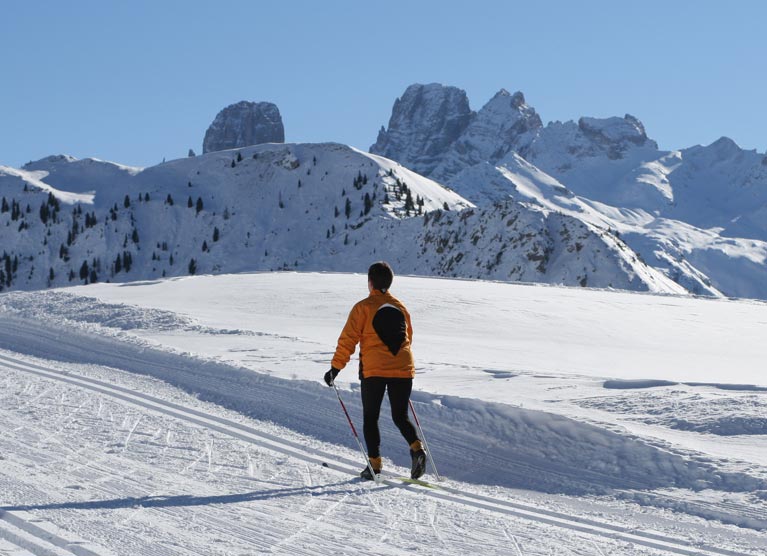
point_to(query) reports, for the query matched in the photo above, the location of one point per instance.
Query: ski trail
(445, 494)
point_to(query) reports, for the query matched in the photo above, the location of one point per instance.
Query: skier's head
(380, 276)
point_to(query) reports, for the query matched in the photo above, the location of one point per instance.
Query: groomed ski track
(446, 492)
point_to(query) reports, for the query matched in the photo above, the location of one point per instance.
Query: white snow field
(188, 416)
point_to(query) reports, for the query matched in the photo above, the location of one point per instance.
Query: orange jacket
(381, 325)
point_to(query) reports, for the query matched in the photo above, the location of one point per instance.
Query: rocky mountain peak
(425, 121)
(243, 124)
(614, 131)
(506, 123)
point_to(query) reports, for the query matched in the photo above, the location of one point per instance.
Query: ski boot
(376, 464)
(418, 459)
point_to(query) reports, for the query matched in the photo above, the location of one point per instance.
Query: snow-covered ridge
(282, 206)
(698, 215)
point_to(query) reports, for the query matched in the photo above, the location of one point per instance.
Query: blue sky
(139, 81)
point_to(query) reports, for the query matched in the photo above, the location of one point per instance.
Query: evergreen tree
(126, 202)
(189, 203)
(44, 213)
(216, 234)
(199, 204)
(234, 164)
(5, 208)
(239, 157)
(53, 201)
(134, 236)
(348, 208)
(192, 266)
(368, 203)
(84, 271)
(204, 246)
(169, 200)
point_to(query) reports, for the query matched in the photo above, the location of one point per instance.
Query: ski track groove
(114, 485)
(446, 493)
(460, 446)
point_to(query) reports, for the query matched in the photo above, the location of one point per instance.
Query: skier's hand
(330, 376)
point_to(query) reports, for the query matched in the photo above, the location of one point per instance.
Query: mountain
(284, 206)
(244, 124)
(699, 215)
(425, 121)
(506, 123)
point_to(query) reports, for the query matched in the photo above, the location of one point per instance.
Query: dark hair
(380, 275)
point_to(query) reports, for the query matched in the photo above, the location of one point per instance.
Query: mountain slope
(698, 215)
(275, 206)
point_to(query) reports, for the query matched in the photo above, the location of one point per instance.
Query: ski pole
(423, 438)
(354, 431)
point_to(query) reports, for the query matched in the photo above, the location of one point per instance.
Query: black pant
(372, 396)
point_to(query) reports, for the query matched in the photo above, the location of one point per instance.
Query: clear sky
(137, 81)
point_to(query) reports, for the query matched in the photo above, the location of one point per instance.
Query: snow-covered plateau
(187, 415)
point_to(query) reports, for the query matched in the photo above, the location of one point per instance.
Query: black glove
(330, 376)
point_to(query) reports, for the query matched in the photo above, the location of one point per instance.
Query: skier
(381, 325)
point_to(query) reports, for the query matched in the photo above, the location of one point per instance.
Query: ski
(418, 482)
(383, 478)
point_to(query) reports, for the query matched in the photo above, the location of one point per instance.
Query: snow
(35, 179)
(511, 390)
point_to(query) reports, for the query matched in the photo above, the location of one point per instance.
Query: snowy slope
(563, 420)
(267, 207)
(697, 215)
(701, 260)
(256, 208)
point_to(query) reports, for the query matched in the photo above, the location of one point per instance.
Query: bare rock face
(243, 124)
(425, 121)
(506, 123)
(433, 130)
